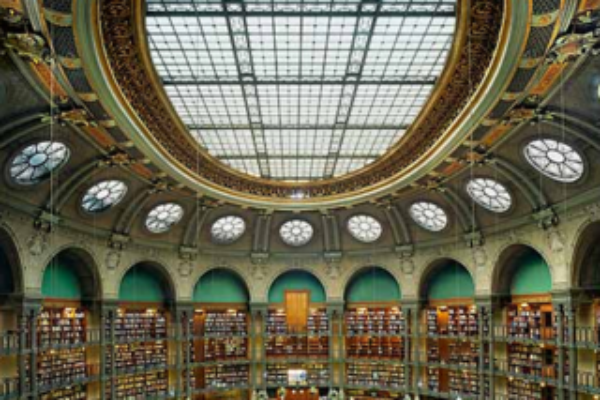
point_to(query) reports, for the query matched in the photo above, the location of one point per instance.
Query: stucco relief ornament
(407, 265)
(594, 212)
(37, 243)
(556, 240)
(185, 268)
(479, 257)
(333, 269)
(258, 271)
(113, 259)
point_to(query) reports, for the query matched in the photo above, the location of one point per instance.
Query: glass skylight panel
(294, 75)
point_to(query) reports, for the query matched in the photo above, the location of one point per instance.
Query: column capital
(413, 304)
(335, 306)
(570, 297)
(259, 308)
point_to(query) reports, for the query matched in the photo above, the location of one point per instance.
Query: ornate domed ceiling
(94, 136)
(299, 91)
(298, 104)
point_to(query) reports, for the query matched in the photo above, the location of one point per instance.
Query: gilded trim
(124, 42)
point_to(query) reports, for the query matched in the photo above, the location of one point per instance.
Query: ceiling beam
(296, 157)
(301, 13)
(297, 127)
(302, 82)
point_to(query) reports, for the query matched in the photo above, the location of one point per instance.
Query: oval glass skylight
(290, 92)
(364, 228)
(489, 194)
(557, 160)
(228, 229)
(429, 216)
(103, 196)
(162, 217)
(296, 232)
(37, 161)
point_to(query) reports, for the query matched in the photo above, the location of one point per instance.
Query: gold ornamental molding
(483, 28)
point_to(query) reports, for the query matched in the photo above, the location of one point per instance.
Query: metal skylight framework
(299, 90)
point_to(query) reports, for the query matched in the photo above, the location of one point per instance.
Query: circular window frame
(227, 242)
(106, 210)
(559, 139)
(504, 185)
(378, 238)
(296, 246)
(424, 227)
(13, 183)
(170, 225)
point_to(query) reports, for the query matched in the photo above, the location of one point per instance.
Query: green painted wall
(220, 286)
(373, 285)
(531, 276)
(297, 280)
(451, 282)
(7, 282)
(61, 281)
(141, 284)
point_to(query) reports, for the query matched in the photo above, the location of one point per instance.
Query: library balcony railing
(457, 362)
(91, 374)
(132, 338)
(366, 333)
(143, 368)
(429, 392)
(90, 337)
(222, 335)
(588, 382)
(228, 362)
(9, 388)
(221, 387)
(277, 383)
(452, 335)
(587, 338)
(545, 374)
(9, 342)
(379, 385)
(509, 333)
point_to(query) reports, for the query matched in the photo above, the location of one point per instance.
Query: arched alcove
(221, 285)
(146, 282)
(447, 279)
(297, 280)
(521, 271)
(71, 275)
(586, 260)
(371, 285)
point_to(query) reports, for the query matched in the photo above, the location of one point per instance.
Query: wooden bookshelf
(221, 335)
(519, 389)
(453, 320)
(313, 343)
(532, 352)
(141, 353)
(532, 321)
(142, 386)
(375, 332)
(61, 360)
(226, 376)
(317, 374)
(451, 330)
(463, 382)
(77, 392)
(375, 375)
(220, 349)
